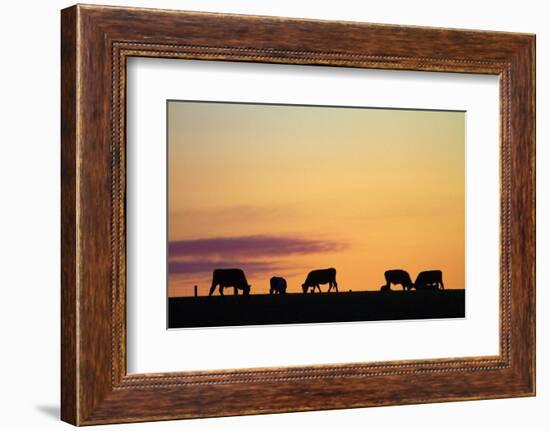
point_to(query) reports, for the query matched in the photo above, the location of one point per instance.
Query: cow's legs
(221, 290)
(335, 285)
(388, 283)
(212, 289)
(442, 285)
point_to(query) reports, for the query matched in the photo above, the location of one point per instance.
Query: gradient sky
(282, 190)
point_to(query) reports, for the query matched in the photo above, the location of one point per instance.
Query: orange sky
(282, 190)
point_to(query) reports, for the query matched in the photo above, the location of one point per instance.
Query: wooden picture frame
(95, 43)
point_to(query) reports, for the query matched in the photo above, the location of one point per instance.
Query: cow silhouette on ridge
(397, 276)
(427, 280)
(234, 278)
(320, 276)
(277, 285)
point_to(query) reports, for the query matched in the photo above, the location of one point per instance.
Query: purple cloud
(251, 246)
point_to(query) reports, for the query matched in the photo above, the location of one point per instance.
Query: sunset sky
(282, 190)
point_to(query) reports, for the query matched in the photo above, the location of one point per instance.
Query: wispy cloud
(252, 246)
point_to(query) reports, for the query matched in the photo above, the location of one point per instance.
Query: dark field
(229, 310)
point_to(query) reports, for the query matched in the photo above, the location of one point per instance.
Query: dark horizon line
(305, 105)
(231, 295)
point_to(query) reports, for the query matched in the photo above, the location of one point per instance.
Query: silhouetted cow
(320, 276)
(429, 280)
(234, 278)
(277, 285)
(397, 276)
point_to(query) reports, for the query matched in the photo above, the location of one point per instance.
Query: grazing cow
(277, 285)
(429, 280)
(397, 276)
(320, 276)
(234, 278)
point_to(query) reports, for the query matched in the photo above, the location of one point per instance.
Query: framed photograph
(260, 194)
(263, 214)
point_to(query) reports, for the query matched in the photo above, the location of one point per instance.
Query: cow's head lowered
(246, 289)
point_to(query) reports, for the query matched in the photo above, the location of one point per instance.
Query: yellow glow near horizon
(385, 187)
